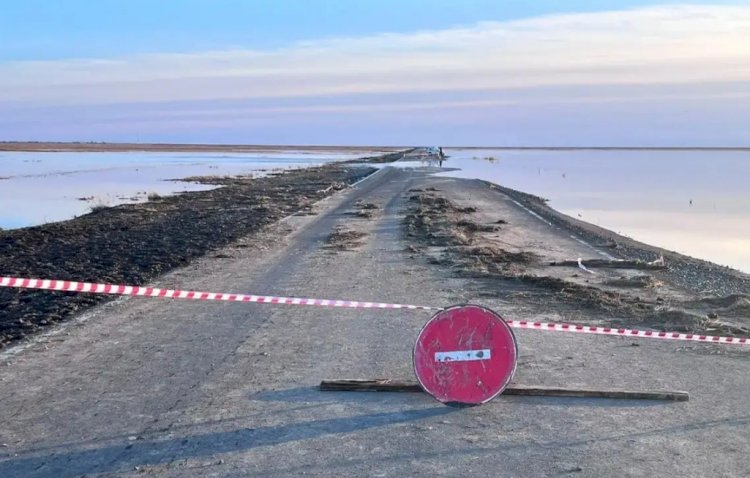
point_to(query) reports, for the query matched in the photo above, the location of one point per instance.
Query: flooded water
(693, 202)
(37, 188)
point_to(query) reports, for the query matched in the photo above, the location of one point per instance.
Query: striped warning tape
(650, 334)
(71, 286)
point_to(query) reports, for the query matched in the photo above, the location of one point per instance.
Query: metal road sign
(465, 355)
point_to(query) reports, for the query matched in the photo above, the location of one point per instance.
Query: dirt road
(167, 388)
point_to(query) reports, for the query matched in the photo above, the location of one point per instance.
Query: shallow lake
(693, 202)
(37, 188)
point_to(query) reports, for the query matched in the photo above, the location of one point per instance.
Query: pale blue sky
(44, 29)
(376, 72)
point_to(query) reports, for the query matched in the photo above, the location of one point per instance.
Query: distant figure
(691, 202)
(441, 156)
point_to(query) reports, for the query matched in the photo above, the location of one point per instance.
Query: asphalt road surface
(150, 387)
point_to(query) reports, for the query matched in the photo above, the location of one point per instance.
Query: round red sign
(465, 355)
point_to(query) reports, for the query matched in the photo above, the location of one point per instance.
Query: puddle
(693, 202)
(47, 187)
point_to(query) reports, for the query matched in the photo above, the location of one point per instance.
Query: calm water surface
(693, 202)
(48, 187)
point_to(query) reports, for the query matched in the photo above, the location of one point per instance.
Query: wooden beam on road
(385, 385)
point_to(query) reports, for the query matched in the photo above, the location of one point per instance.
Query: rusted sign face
(465, 355)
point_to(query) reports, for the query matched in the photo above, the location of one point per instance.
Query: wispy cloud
(658, 75)
(680, 44)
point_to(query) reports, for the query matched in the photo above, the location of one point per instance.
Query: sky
(377, 72)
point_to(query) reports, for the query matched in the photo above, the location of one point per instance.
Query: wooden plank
(377, 385)
(384, 385)
(676, 396)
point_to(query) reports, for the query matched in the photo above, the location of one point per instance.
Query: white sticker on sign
(462, 355)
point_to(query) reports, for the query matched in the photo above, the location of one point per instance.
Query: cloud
(649, 76)
(656, 45)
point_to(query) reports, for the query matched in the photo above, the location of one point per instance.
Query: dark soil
(365, 210)
(472, 226)
(449, 238)
(636, 281)
(134, 243)
(343, 239)
(384, 158)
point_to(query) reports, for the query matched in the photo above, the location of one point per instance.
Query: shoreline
(607, 148)
(136, 243)
(193, 388)
(98, 147)
(61, 147)
(697, 275)
(509, 243)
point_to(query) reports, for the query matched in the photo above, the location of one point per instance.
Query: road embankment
(134, 243)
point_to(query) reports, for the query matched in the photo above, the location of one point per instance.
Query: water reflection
(48, 187)
(694, 202)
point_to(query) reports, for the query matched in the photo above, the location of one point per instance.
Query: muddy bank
(384, 158)
(474, 229)
(132, 244)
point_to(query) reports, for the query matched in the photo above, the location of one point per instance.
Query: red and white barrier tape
(71, 286)
(649, 334)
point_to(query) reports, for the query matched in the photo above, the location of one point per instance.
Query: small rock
(713, 315)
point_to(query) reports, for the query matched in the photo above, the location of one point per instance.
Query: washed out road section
(146, 387)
